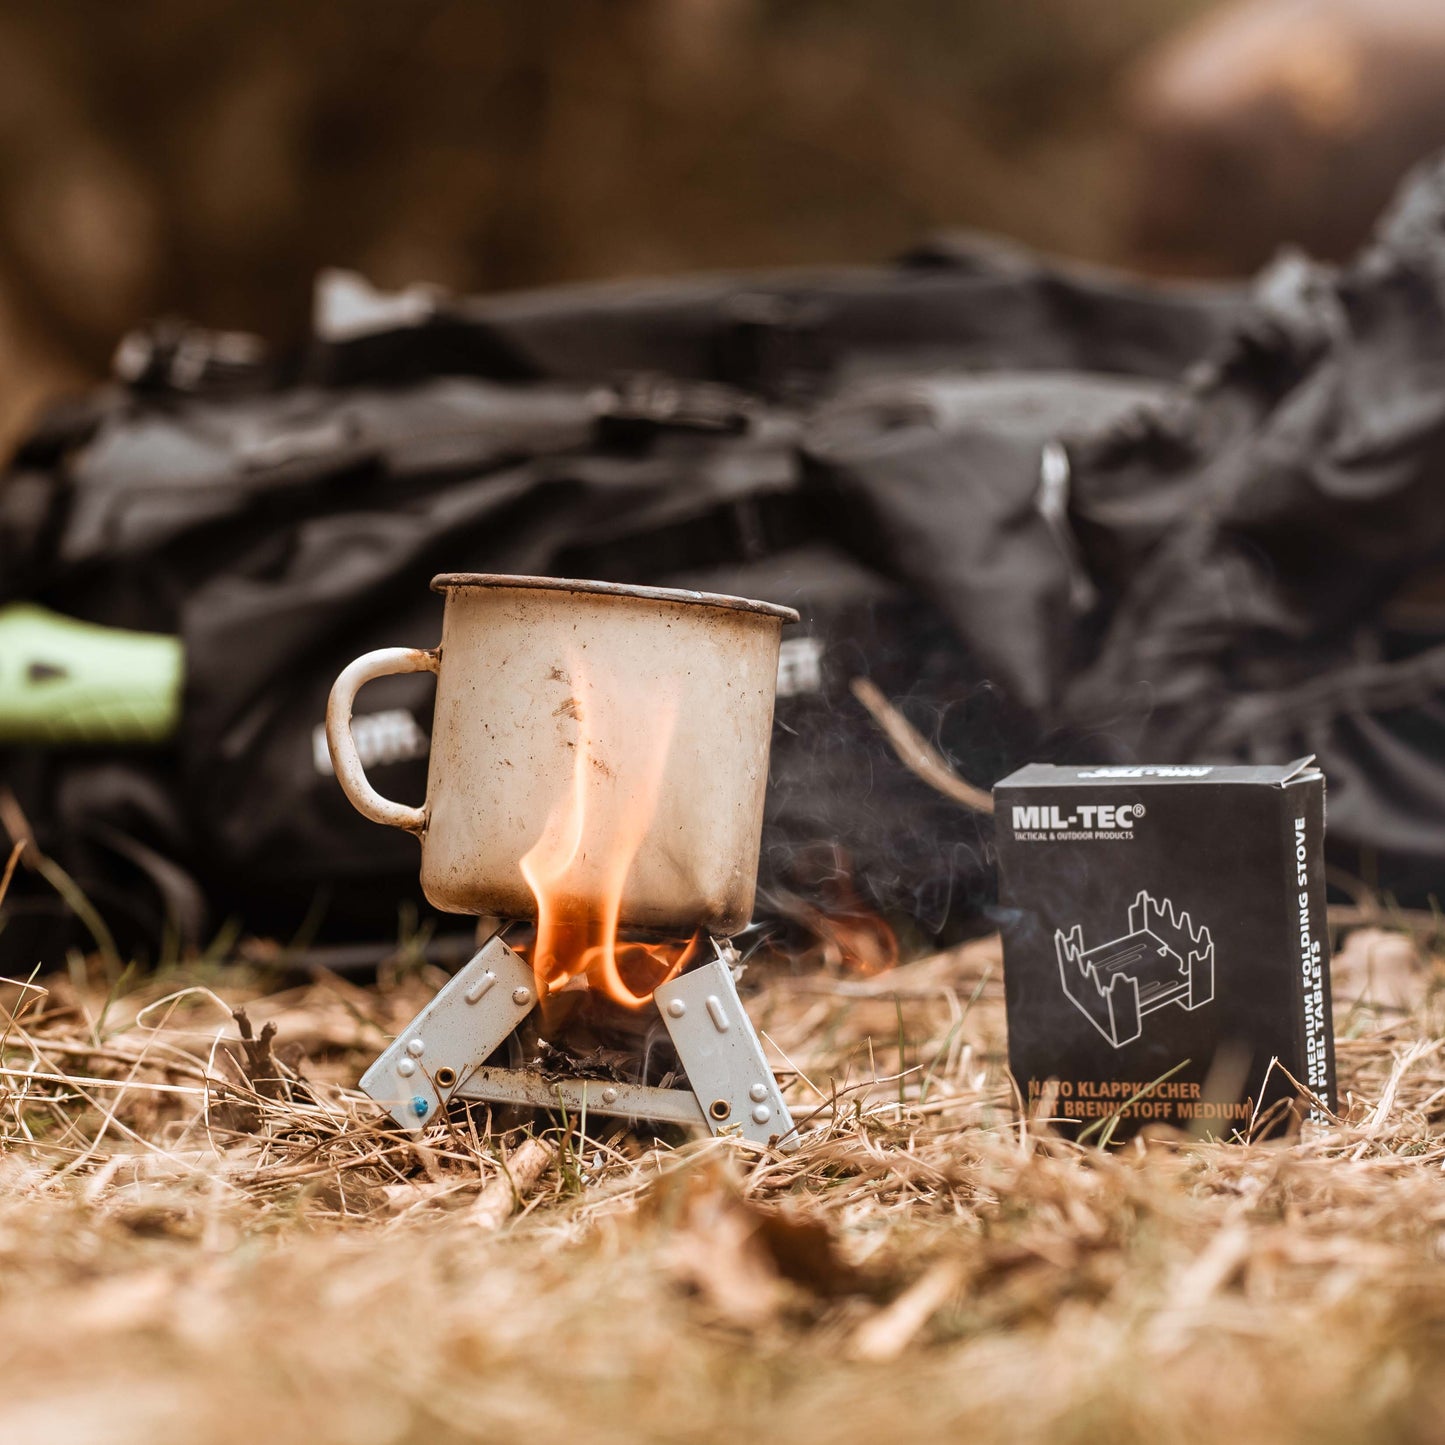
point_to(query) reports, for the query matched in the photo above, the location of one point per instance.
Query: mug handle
(349, 773)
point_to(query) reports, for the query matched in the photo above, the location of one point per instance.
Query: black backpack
(1045, 513)
(863, 445)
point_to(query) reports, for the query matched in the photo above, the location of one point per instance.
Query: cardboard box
(1164, 940)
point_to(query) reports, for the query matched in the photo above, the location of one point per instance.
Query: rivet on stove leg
(676, 1008)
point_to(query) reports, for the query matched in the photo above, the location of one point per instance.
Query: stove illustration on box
(1163, 959)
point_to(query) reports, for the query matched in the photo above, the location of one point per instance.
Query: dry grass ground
(195, 1249)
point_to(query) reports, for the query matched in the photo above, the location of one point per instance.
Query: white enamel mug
(599, 737)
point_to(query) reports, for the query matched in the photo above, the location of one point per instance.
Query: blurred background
(1079, 449)
(206, 157)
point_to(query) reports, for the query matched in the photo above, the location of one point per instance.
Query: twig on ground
(885, 1335)
(520, 1174)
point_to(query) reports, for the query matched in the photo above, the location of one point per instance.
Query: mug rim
(458, 581)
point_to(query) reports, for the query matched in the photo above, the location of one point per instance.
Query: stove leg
(722, 1055)
(471, 1016)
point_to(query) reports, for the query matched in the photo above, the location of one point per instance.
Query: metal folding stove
(442, 1055)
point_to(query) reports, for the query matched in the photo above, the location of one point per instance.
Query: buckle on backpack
(174, 356)
(642, 405)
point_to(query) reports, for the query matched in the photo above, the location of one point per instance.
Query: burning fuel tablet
(1165, 951)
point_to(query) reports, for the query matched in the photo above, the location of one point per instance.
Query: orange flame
(845, 934)
(578, 867)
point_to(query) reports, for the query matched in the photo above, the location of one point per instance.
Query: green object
(65, 682)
